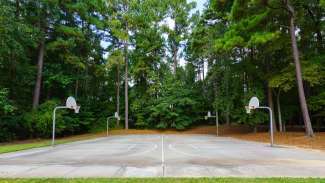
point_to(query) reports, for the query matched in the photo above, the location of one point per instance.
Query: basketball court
(163, 156)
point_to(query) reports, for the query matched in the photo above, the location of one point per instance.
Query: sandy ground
(297, 139)
(163, 155)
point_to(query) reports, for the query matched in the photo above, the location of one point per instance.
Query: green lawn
(12, 147)
(18, 147)
(170, 180)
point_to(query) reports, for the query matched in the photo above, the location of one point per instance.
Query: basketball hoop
(217, 119)
(72, 104)
(76, 109)
(116, 116)
(254, 103)
(69, 104)
(248, 110)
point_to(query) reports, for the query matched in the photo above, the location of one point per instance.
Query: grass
(29, 144)
(290, 138)
(169, 180)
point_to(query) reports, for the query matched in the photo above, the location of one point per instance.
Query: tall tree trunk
(175, 59)
(227, 116)
(318, 30)
(13, 74)
(203, 70)
(227, 94)
(40, 61)
(86, 91)
(271, 105)
(295, 52)
(199, 72)
(118, 93)
(126, 60)
(126, 86)
(17, 9)
(209, 65)
(76, 88)
(279, 111)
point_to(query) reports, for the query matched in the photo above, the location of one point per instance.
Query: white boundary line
(155, 146)
(193, 146)
(204, 146)
(162, 156)
(162, 150)
(171, 147)
(131, 147)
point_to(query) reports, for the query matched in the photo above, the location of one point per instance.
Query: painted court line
(131, 147)
(153, 148)
(204, 146)
(171, 147)
(193, 146)
(162, 156)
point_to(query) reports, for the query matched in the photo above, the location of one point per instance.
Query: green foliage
(242, 48)
(248, 49)
(322, 3)
(40, 122)
(317, 104)
(175, 108)
(285, 80)
(7, 110)
(6, 106)
(261, 38)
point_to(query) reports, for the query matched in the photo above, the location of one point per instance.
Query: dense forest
(159, 64)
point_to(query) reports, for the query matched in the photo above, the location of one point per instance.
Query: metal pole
(53, 126)
(217, 115)
(53, 122)
(107, 127)
(107, 124)
(217, 123)
(271, 124)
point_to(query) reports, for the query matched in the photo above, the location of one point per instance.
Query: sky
(199, 4)
(199, 7)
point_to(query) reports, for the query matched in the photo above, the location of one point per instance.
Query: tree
(121, 23)
(115, 59)
(44, 14)
(295, 52)
(179, 13)
(130, 49)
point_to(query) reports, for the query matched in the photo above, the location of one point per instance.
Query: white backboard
(117, 116)
(71, 103)
(254, 103)
(76, 110)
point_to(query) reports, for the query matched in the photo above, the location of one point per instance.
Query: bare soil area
(297, 139)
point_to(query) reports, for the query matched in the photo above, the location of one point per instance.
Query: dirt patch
(210, 130)
(237, 131)
(289, 138)
(199, 130)
(297, 139)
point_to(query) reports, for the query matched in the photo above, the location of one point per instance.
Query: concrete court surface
(163, 155)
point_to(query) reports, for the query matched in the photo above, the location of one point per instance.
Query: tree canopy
(159, 64)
